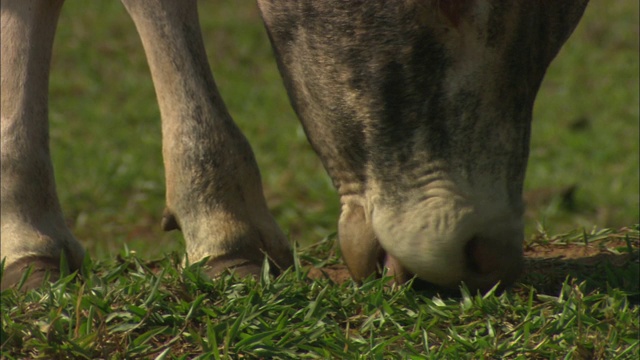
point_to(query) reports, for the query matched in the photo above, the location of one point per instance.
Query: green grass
(132, 308)
(106, 146)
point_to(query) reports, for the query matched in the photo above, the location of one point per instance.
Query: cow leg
(33, 227)
(214, 192)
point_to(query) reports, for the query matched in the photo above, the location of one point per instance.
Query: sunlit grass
(132, 308)
(105, 137)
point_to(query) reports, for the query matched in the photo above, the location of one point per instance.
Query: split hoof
(42, 269)
(241, 268)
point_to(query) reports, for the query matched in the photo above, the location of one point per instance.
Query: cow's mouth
(400, 275)
(394, 269)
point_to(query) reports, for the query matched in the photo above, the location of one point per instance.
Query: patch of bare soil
(338, 273)
(588, 254)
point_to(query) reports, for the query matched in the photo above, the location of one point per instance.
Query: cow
(420, 111)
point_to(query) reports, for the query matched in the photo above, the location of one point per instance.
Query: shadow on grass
(599, 272)
(605, 260)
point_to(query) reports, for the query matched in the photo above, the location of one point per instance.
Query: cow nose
(480, 258)
(491, 260)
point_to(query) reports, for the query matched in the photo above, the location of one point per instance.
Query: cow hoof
(241, 268)
(42, 269)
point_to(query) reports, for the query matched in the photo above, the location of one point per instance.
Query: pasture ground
(578, 297)
(582, 306)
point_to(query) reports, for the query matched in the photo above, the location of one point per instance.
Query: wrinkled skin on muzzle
(421, 113)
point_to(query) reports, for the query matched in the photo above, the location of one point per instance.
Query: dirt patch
(338, 273)
(596, 249)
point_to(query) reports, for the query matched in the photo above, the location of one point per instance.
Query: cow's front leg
(214, 192)
(34, 233)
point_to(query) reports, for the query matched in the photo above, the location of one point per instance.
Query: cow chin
(448, 242)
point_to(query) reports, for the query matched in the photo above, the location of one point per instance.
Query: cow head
(421, 113)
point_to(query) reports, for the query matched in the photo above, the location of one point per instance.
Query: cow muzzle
(448, 243)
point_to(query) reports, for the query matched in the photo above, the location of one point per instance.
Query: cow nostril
(481, 259)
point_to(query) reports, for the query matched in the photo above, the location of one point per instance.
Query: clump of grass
(129, 308)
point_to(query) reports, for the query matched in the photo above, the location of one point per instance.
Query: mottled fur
(421, 112)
